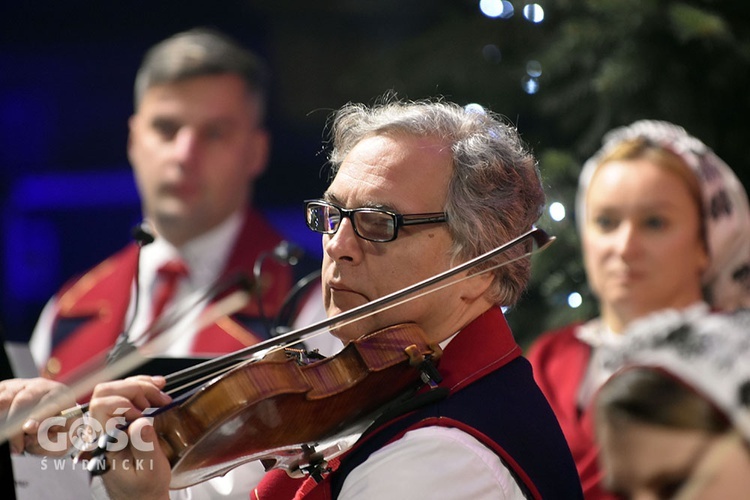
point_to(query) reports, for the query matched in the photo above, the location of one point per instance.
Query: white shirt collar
(205, 256)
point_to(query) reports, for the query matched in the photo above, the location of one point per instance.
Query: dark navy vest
(507, 412)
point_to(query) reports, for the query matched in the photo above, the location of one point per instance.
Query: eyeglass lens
(370, 224)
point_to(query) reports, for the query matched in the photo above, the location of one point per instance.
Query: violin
(278, 411)
(297, 417)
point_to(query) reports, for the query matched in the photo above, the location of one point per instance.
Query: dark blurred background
(562, 71)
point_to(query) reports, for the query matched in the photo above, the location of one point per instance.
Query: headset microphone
(288, 253)
(142, 234)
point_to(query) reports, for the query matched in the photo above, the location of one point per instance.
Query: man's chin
(178, 217)
(174, 211)
(337, 307)
(350, 331)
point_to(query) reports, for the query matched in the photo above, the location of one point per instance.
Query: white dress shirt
(432, 462)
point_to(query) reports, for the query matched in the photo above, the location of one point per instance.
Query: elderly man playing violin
(417, 188)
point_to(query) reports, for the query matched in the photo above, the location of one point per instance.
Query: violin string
(204, 378)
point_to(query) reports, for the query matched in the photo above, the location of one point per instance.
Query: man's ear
(132, 123)
(476, 287)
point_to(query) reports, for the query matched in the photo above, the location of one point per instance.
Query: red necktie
(168, 277)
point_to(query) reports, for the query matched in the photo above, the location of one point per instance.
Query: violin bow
(540, 238)
(228, 305)
(237, 300)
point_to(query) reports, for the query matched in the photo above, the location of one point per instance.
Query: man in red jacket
(197, 144)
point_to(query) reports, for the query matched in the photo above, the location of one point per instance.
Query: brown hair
(201, 52)
(651, 396)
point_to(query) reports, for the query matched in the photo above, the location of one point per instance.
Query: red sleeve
(559, 361)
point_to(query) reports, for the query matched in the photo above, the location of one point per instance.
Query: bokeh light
(496, 8)
(491, 53)
(475, 108)
(534, 69)
(530, 85)
(557, 211)
(508, 10)
(575, 300)
(491, 8)
(533, 12)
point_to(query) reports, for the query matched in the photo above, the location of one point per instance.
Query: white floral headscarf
(725, 206)
(707, 352)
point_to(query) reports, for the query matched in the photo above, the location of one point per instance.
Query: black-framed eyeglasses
(371, 224)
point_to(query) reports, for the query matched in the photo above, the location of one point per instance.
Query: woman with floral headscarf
(664, 223)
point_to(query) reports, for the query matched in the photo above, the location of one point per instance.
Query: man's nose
(186, 145)
(344, 244)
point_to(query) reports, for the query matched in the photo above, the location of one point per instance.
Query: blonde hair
(640, 148)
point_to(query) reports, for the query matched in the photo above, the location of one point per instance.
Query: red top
(560, 360)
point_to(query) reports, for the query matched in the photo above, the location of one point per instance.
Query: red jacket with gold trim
(92, 308)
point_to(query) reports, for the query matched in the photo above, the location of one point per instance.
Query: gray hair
(495, 193)
(201, 52)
